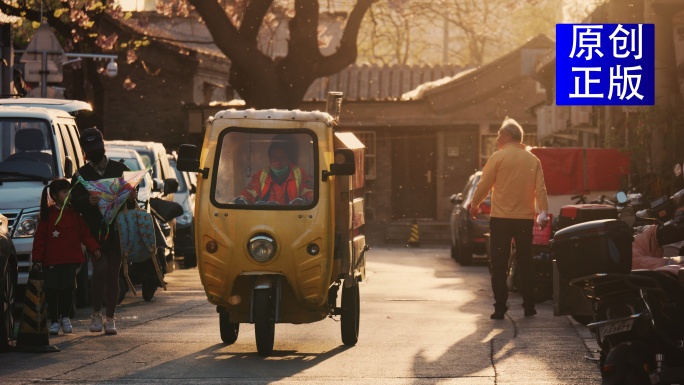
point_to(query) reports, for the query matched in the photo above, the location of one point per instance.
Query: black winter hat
(91, 139)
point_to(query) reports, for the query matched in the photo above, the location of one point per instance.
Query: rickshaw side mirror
(344, 164)
(189, 161)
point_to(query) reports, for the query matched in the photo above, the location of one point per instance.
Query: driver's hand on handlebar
(240, 200)
(542, 219)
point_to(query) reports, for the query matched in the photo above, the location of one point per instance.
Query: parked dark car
(468, 234)
(8, 286)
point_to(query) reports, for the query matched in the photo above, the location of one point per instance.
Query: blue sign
(605, 64)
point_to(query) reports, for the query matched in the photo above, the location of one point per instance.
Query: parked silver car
(184, 241)
(468, 234)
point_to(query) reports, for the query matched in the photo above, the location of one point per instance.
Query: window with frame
(368, 140)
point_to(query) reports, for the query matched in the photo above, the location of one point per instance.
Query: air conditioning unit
(580, 115)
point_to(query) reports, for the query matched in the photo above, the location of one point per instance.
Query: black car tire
(465, 254)
(454, 253)
(8, 287)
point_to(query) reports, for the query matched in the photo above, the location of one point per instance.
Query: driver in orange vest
(282, 182)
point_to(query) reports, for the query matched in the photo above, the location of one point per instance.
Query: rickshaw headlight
(261, 248)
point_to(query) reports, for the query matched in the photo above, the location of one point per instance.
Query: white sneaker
(54, 328)
(66, 325)
(109, 326)
(96, 323)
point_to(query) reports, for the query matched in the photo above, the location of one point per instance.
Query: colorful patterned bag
(136, 233)
(137, 239)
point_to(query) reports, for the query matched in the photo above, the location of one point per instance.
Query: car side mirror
(157, 185)
(344, 164)
(456, 199)
(68, 167)
(170, 186)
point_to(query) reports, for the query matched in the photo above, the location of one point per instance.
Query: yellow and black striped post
(33, 332)
(414, 235)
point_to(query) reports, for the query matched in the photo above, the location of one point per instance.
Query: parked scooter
(638, 314)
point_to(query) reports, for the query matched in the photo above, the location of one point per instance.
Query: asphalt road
(424, 320)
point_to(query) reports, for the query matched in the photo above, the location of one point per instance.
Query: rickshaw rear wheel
(264, 323)
(229, 330)
(350, 314)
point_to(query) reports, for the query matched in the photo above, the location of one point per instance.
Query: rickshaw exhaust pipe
(333, 105)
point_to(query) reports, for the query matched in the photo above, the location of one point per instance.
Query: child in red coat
(57, 250)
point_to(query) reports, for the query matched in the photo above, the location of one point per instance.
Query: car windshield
(132, 163)
(26, 149)
(266, 170)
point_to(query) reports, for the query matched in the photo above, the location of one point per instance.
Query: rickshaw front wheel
(229, 330)
(264, 322)
(350, 314)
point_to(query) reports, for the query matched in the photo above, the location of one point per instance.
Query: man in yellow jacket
(515, 177)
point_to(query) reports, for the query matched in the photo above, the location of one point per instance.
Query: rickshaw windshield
(266, 170)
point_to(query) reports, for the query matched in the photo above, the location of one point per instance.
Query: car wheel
(8, 287)
(465, 254)
(454, 252)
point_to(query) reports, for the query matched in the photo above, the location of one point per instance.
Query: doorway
(414, 175)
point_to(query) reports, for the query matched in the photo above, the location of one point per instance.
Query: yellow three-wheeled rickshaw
(279, 212)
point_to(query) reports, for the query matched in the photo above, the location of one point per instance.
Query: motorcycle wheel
(229, 330)
(123, 289)
(149, 287)
(264, 322)
(629, 363)
(349, 319)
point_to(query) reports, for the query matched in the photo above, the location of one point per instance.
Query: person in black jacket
(105, 279)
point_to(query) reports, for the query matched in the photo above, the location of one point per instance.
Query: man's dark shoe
(498, 314)
(530, 312)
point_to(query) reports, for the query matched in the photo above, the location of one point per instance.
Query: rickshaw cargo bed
(601, 246)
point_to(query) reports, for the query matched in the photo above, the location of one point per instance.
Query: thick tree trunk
(264, 82)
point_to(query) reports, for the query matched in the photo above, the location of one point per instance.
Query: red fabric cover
(605, 168)
(564, 169)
